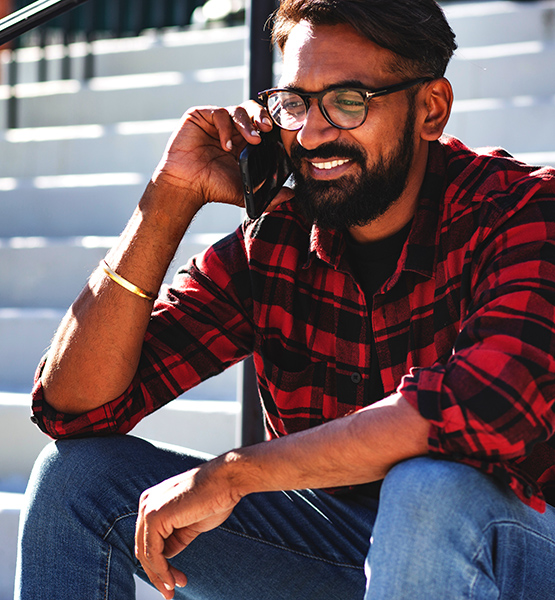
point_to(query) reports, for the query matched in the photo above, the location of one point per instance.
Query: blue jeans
(441, 530)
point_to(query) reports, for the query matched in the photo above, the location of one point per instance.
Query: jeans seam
(115, 521)
(483, 544)
(249, 537)
(515, 523)
(286, 548)
(107, 578)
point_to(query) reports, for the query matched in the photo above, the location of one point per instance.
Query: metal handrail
(32, 16)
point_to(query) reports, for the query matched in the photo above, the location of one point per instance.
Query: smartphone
(265, 167)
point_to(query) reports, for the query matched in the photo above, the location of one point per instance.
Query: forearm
(359, 448)
(96, 350)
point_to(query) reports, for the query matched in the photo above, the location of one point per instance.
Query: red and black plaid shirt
(464, 328)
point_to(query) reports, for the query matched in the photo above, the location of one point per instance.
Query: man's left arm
(337, 453)
(492, 402)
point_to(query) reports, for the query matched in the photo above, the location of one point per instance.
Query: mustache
(328, 150)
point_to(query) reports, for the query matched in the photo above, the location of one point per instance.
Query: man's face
(347, 178)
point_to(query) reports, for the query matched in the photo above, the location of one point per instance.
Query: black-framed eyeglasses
(342, 107)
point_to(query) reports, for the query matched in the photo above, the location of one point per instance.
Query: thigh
(301, 544)
(304, 543)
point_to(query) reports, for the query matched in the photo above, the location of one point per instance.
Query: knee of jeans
(65, 467)
(433, 490)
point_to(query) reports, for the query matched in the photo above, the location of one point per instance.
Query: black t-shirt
(373, 264)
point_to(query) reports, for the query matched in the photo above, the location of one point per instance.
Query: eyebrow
(349, 83)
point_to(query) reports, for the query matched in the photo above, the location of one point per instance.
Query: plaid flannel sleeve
(493, 400)
(199, 327)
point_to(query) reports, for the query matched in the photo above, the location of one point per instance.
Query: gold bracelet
(124, 283)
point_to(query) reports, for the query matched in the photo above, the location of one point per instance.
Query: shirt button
(528, 491)
(356, 377)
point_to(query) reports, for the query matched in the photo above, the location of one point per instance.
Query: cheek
(379, 137)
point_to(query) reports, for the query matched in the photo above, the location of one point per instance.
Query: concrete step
(498, 22)
(98, 204)
(483, 69)
(478, 72)
(68, 149)
(10, 506)
(163, 95)
(519, 124)
(151, 52)
(475, 24)
(90, 149)
(26, 333)
(85, 205)
(504, 70)
(50, 272)
(537, 158)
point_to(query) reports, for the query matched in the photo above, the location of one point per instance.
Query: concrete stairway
(70, 177)
(73, 172)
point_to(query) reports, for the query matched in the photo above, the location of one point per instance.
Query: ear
(438, 100)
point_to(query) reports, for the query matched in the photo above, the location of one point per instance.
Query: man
(406, 288)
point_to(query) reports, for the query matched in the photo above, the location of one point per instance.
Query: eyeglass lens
(343, 107)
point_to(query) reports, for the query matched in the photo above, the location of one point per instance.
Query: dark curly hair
(415, 30)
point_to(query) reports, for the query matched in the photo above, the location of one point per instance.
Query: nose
(316, 130)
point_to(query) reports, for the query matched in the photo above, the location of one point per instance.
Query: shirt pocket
(296, 386)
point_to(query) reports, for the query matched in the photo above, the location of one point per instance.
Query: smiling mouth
(331, 164)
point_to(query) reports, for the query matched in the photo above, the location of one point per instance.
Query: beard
(353, 200)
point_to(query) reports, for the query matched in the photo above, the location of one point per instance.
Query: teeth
(330, 165)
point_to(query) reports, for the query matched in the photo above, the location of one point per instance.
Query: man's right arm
(95, 353)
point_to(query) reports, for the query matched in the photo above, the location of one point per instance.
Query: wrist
(171, 198)
(240, 473)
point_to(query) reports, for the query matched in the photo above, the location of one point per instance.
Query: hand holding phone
(265, 167)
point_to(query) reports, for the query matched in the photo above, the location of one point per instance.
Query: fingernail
(168, 587)
(255, 133)
(229, 145)
(266, 121)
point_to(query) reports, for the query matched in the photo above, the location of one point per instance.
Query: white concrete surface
(28, 280)
(9, 518)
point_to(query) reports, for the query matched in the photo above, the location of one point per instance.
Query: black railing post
(261, 57)
(260, 60)
(42, 65)
(89, 26)
(66, 39)
(13, 105)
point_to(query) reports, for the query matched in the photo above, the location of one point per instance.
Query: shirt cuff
(450, 438)
(58, 425)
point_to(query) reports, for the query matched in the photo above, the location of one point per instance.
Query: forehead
(317, 56)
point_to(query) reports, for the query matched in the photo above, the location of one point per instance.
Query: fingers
(251, 114)
(235, 125)
(250, 119)
(149, 550)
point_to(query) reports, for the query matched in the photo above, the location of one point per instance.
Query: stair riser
(97, 211)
